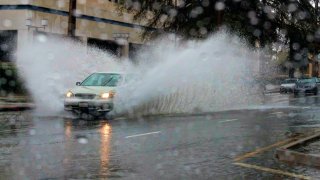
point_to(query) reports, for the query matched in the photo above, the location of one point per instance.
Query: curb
(286, 154)
(16, 106)
(271, 92)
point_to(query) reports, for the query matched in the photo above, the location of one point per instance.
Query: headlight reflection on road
(105, 137)
(68, 130)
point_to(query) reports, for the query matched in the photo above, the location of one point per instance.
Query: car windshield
(303, 81)
(102, 79)
(289, 81)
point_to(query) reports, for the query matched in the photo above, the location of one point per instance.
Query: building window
(105, 45)
(8, 45)
(134, 50)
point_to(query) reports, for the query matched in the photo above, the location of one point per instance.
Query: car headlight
(69, 94)
(107, 95)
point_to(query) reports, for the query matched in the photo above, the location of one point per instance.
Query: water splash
(51, 66)
(210, 75)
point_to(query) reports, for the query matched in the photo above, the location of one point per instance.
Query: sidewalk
(15, 103)
(269, 89)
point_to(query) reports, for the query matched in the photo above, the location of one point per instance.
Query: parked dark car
(307, 86)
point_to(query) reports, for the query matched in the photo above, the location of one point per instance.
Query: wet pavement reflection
(164, 147)
(54, 148)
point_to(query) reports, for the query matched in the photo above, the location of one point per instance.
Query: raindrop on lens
(42, 38)
(7, 23)
(296, 46)
(82, 140)
(219, 6)
(32, 132)
(292, 7)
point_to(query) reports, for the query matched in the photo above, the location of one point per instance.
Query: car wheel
(108, 116)
(316, 91)
(76, 114)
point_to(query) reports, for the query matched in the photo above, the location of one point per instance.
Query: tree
(199, 18)
(292, 22)
(298, 21)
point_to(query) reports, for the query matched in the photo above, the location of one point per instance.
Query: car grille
(85, 96)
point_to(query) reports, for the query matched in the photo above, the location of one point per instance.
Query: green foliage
(9, 80)
(255, 20)
(292, 23)
(198, 19)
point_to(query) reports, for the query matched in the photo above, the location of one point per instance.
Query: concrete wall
(101, 19)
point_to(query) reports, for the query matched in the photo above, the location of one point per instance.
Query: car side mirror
(78, 83)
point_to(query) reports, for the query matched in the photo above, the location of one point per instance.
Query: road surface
(236, 144)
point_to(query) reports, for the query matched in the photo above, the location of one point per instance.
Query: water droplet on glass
(219, 6)
(32, 132)
(82, 140)
(7, 23)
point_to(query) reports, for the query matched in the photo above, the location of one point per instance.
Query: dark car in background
(287, 86)
(307, 86)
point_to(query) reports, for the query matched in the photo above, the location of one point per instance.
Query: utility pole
(176, 26)
(317, 54)
(72, 18)
(317, 11)
(219, 19)
(219, 12)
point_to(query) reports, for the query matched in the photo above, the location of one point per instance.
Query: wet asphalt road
(160, 147)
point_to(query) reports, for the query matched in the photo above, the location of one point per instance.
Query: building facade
(99, 23)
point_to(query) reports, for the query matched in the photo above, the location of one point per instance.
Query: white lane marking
(274, 113)
(306, 107)
(228, 120)
(137, 135)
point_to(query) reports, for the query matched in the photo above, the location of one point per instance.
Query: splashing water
(51, 66)
(209, 75)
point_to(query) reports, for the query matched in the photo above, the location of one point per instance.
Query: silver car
(288, 85)
(94, 95)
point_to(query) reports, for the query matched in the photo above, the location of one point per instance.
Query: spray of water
(51, 66)
(210, 75)
(215, 74)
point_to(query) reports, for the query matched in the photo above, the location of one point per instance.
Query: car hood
(306, 84)
(288, 85)
(92, 89)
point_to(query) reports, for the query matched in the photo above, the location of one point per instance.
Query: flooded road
(207, 146)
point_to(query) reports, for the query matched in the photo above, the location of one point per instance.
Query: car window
(289, 81)
(102, 79)
(311, 80)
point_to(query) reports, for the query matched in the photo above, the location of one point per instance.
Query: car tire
(316, 91)
(108, 116)
(281, 91)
